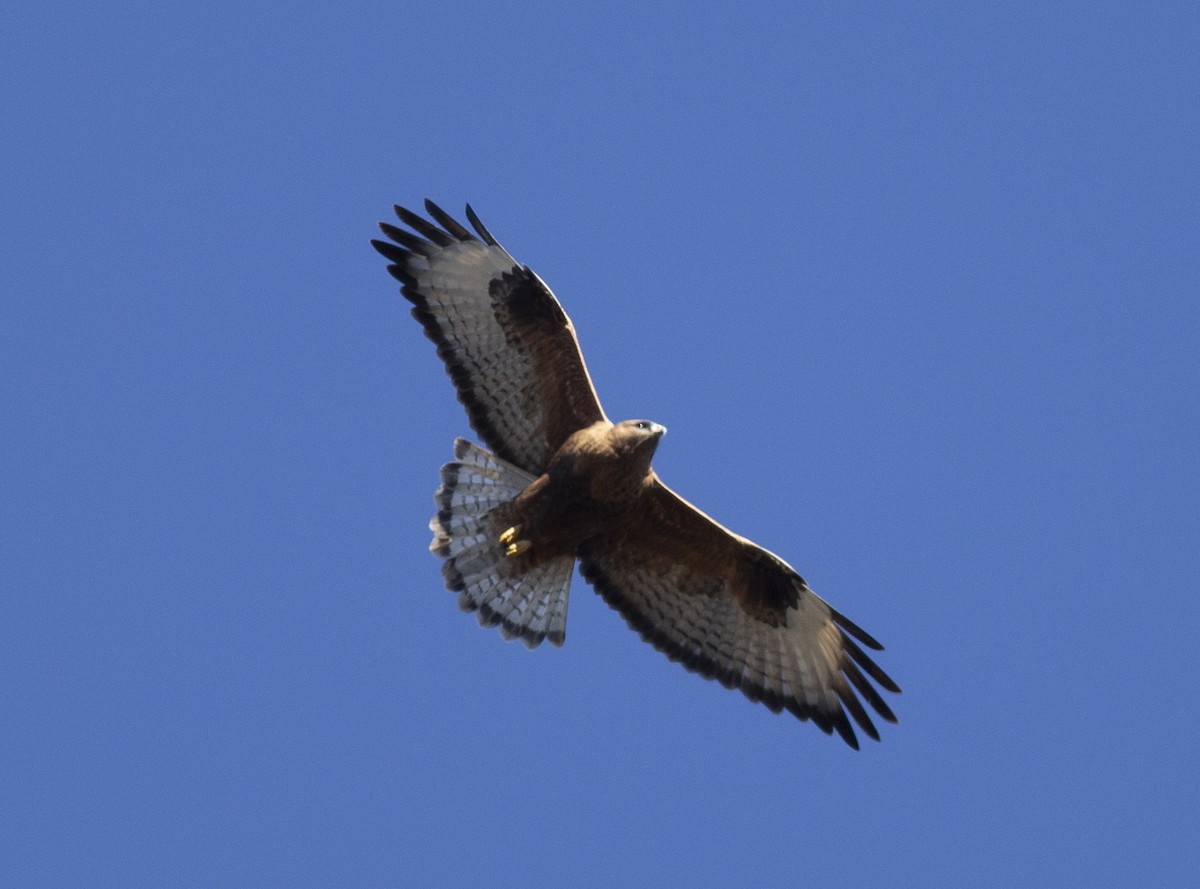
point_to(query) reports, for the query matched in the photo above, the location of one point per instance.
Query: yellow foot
(512, 546)
(515, 549)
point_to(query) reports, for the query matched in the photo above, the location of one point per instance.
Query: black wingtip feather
(390, 251)
(845, 729)
(868, 691)
(855, 707)
(403, 277)
(407, 240)
(872, 669)
(855, 630)
(423, 227)
(488, 237)
(448, 222)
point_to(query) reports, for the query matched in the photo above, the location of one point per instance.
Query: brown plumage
(565, 483)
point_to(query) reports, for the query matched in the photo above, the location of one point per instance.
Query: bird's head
(638, 436)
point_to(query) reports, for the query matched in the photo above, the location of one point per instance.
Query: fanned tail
(531, 604)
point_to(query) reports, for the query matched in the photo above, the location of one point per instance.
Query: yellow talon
(515, 549)
(510, 535)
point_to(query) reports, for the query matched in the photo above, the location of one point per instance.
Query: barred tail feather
(529, 605)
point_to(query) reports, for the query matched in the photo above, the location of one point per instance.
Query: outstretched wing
(506, 342)
(732, 611)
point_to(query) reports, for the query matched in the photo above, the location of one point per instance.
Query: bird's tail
(529, 604)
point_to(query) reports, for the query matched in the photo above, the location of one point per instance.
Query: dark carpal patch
(771, 588)
(523, 298)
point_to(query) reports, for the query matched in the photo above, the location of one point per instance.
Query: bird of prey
(563, 483)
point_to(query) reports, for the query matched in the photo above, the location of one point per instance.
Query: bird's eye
(641, 424)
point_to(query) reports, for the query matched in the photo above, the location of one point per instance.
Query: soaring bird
(562, 483)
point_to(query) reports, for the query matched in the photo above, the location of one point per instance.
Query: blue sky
(914, 286)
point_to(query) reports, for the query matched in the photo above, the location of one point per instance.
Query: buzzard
(563, 483)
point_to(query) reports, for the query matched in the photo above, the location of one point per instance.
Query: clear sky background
(916, 288)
